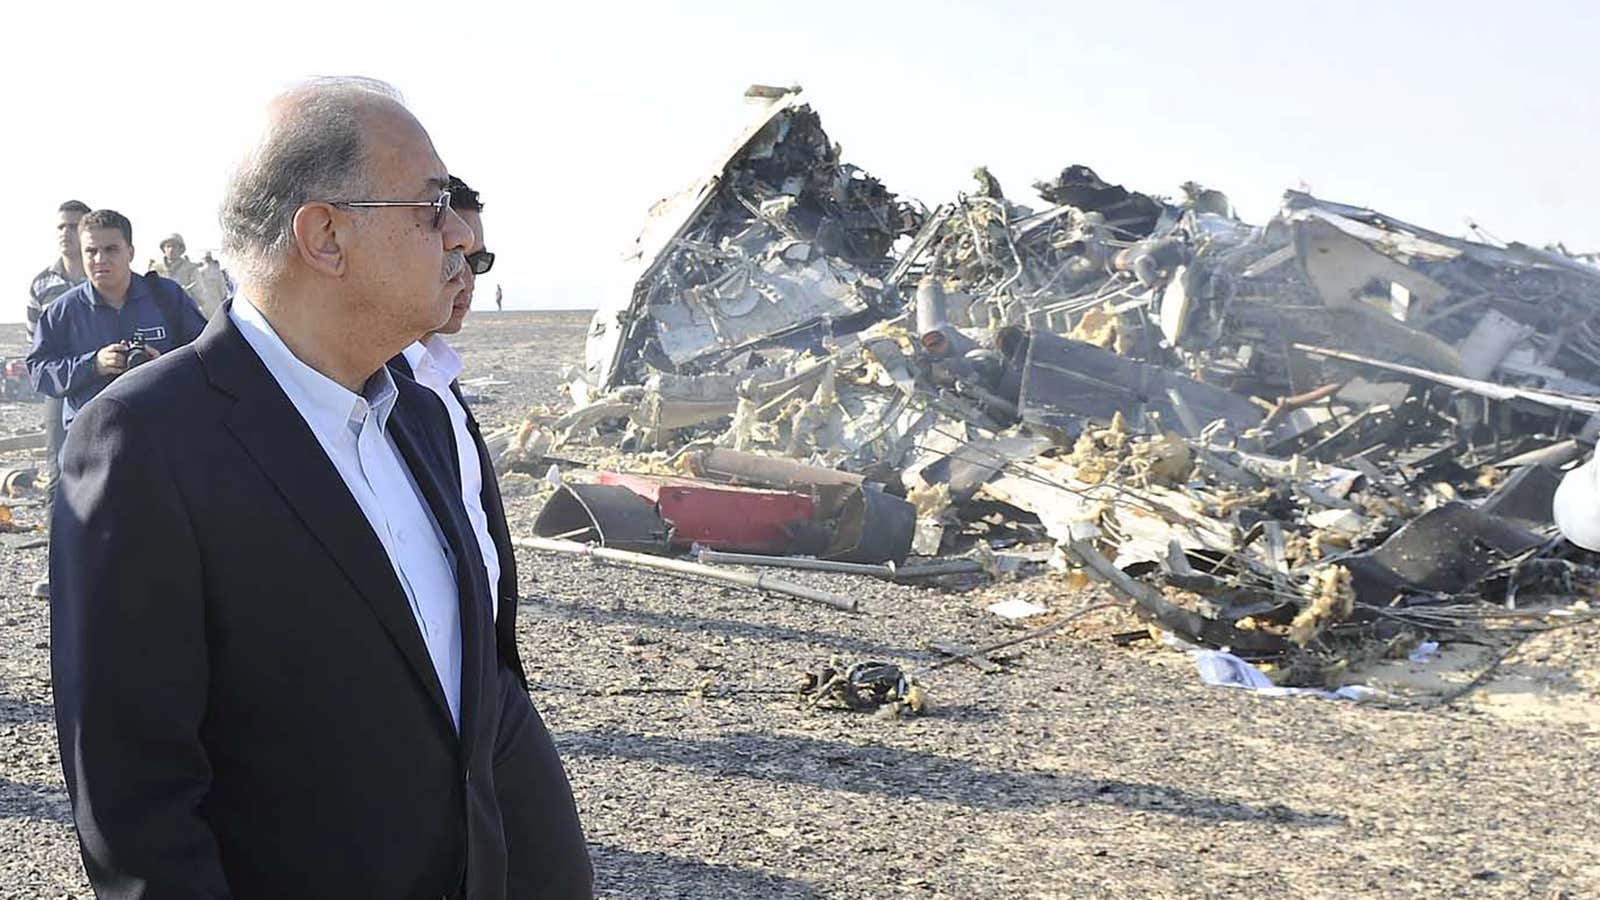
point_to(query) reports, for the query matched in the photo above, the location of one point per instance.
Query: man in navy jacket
(110, 323)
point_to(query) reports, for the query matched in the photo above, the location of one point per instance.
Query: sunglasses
(481, 262)
(439, 205)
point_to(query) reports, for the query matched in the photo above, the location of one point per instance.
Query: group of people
(91, 319)
(206, 281)
(283, 592)
(64, 371)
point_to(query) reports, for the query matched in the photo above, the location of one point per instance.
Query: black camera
(138, 353)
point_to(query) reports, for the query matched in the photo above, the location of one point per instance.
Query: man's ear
(317, 238)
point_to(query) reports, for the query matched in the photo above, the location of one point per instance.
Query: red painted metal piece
(720, 516)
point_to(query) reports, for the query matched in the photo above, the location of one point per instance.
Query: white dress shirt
(352, 430)
(436, 365)
(1577, 505)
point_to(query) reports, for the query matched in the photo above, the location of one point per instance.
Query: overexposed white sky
(572, 119)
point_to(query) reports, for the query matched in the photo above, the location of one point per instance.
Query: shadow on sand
(891, 772)
(629, 873)
(689, 625)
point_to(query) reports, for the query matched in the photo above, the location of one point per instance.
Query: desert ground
(1085, 768)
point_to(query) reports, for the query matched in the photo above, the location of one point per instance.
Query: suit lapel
(492, 504)
(273, 433)
(494, 509)
(401, 365)
(505, 618)
(442, 494)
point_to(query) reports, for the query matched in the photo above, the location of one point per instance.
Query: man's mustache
(455, 262)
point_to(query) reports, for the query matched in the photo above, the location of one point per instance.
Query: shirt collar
(326, 405)
(137, 290)
(435, 354)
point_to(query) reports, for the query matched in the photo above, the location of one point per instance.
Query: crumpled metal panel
(1387, 232)
(1064, 382)
(1447, 549)
(663, 227)
(780, 240)
(873, 527)
(723, 517)
(755, 303)
(606, 514)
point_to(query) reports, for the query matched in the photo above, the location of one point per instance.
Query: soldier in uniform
(175, 266)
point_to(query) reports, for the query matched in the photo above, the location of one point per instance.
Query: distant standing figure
(211, 287)
(175, 266)
(499, 299)
(62, 275)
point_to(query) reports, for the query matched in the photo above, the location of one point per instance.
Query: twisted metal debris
(1329, 435)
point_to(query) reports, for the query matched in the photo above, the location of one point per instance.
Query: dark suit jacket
(244, 701)
(499, 530)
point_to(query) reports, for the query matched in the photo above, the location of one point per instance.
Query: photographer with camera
(110, 324)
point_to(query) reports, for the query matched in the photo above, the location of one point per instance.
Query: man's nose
(457, 233)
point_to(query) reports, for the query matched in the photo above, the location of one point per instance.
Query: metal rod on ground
(888, 570)
(934, 569)
(1028, 636)
(683, 567)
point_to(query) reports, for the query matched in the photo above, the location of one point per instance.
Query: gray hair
(314, 150)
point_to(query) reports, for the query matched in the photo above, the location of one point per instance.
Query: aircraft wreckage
(1298, 440)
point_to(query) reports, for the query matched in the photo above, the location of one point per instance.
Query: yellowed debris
(1098, 451)
(1334, 539)
(639, 464)
(1076, 580)
(520, 443)
(1298, 550)
(1334, 602)
(1098, 326)
(1233, 498)
(1115, 435)
(916, 699)
(1163, 460)
(892, 330)
(1383, 506)
(872, 372)
(815, 422)
(1090, 463)
(931, 501)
